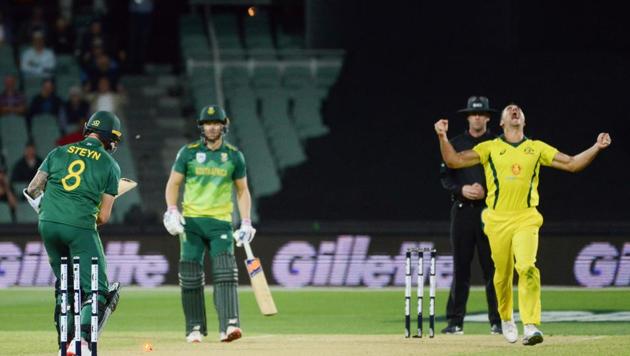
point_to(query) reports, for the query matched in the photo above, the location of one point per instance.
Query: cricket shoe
(495, 329)
(532, 335)
(453, 330)
(232, 333)
(195, 336)
(85, 349)
(510, 332)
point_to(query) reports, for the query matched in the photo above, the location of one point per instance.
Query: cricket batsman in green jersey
(73, 192)
(210, 169)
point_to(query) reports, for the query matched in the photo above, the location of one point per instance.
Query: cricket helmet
(107, 126)
(213, 113)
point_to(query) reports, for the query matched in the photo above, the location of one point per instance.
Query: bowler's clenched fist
(603, 140)
(441, 127)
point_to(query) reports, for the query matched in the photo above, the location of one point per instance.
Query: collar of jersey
(516, 144)
(204, 147)
(92, 139)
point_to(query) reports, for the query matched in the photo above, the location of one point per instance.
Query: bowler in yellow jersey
(511, 165)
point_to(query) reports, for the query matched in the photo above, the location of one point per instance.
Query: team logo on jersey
(502, 152)
(529, 150)
(516, 169)
(224, 157)
(201, 157)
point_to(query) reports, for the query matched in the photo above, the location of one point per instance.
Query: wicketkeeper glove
(33, 202)
(245, 233)
(174, 221)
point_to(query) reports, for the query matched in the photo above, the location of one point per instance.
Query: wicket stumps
(63, 317)
(420, 290)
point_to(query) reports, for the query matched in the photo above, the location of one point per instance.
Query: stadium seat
(32, 86)
(128, 170)
(306, 112)
(13, 136)
(295, 77)
(7, 61)
(265, 77)
(326, 76)
(246, 125)
(190, 24)
(5, 213)
(283, 137)
(45, 130)
(18, 187)
(25, 214)
(235, 77)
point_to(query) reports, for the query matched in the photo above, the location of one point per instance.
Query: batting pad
(191, 279)
(225, 280)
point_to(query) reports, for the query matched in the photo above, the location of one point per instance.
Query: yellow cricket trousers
(513, 237)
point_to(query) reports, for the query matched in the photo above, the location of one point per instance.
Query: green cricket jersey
(78, 175)
(209, 178)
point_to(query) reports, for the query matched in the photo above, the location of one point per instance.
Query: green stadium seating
(7, 61)
(265, 77)
(25, 214)
(234, 78)
(306, 112)
(45, 130)
(13, 136)
(295, 77)
(283, 137)
(326, 76)
(5, 213)
(260, 161)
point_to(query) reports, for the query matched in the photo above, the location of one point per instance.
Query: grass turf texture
(359, 321)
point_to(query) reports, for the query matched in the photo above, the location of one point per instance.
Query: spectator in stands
(75, 110)
(25, 168)
(37, 60)
(87, 59)
(87, 41)
(103, 67)
(46, 102)
(96, 37)
(63, 37)
(6, 194)
(12, 102)
(105, 99)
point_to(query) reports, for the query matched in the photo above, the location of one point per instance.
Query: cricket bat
(259, 283)
(125, 185)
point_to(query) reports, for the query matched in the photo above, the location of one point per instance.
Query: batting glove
(245, 233)
(174, 221)
(34, 203)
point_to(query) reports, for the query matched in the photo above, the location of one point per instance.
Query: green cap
(212, 113)
(105, 123)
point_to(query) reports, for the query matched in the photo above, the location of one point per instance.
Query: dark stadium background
(410, 63)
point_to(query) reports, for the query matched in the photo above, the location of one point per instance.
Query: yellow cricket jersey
(512, 171)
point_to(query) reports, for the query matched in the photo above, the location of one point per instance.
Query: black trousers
(466, 237)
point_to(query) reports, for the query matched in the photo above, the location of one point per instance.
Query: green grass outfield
(311, 322)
